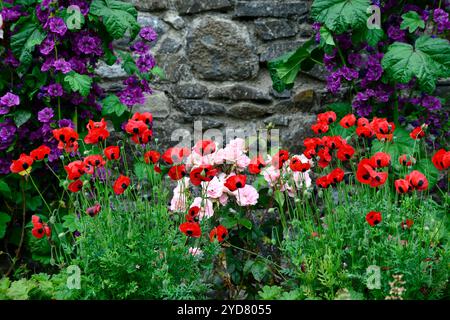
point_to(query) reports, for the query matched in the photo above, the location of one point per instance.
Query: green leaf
(157, 71)
(117, 16)
(412, 21)
(141, 170)
(19, 289)
(326, 37)
(111, 104)
(270, 292)
(4, 219)
(284, 69)
(340, 108)
(79, 82)
(257, 268)
(70, 222)
(33, 203)
(371, 36)
(428, 60)
(4, 188)
(279, 197)
(340, 15)
(21, 117)
(229, 222)
(128, 64)
(246, 223)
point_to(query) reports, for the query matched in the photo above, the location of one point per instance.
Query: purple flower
(334, 82)
(47, 46)
(396, 34)
(131, 96)
(45, 115)
(349, 74)
(145, 63)
(140, 47)
(316, 28)
(89, 45)
(148, 34)
(11, 14)
(7, 133)
(441, 19)
(431, 103)
(10, 100)
(55, 90)
(355, 59)
(66, 123)
(57, 26)
(48, 64)
(4, 165)
(62, 65)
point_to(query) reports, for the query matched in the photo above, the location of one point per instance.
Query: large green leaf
(4, 219)
(112, 105)
(117, 16)
(412, 21)
(26, 36)
(284, 70)
(21, 116)
(79, 82)
(340, 15)
(428, 60)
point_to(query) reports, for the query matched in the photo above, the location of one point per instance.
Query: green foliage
(117, 16)
(112, 105)
(79, 82)
(412, 21)
(4, 219)
(340, 15)
(428, 60)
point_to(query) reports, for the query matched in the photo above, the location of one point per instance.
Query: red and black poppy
(236, 182)
(75, 186)
(382, 127)
(203, 173)
(417, 133)
(402, 186)
(94, 160)
(96, 125)
(345, 152)
(365, 132)
(256, 165)
(381, 160)
(362, 122)
(336, 176)
(205, 147)
(323, 182)
(40, 153)
(373, 218)
(327, 117)
(40, 228)
(152, 156)
(75, 169)
(309, 153)
(135, 127)
(219, 233)
(296, 164)
(320, 127)
(67, 138)
(312, 143)
(22, 164)
(112, 153)
(324, 157)
(175, 155)
(348, 121)
(407, 224)
(177, 172)
(191, 229)
(96, 135)
(121, 184)
(193, 214)
(280, 158)
(406, 160)
(417, 180)
(366, 174)
(441, 159)
(145, 117)
(94, 210)
(143, 138)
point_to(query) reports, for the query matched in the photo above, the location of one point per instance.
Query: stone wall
(214, 54)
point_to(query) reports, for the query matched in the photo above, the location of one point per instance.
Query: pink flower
(242, 162)
(213, 188)
(271, 175)
(206, 207)
(247, 196)
(178, 202)
(234, 150)
(223, 200)
(196, 252)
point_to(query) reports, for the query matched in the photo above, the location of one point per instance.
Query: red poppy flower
(75, 169)
(336, 176)
(407, 224)
(22, 164)
(406, 160)
(152, 156)
(193, 214)
(36, 219)
(366, 174)
(219, 233)
(75, 186)
(143, 138)
(323, 182)
(382, 126)
(40, 228)
(145, 117)
(67, 138)
(441, 159)
(309, 153)
(121, 184)
(203, 173)
(348, 121)
(40, 153)
(236, 182)
(417, 133)
(96, 125)
(175, 155)
(94, 210)
(324, 157)
(280, 158)
(374, 218)
(327, 117)
(365, 132)
(96, 135)
(135, 127)
(93, 161)
(320, 127)
(417, 180)
(177, 172)
(381, 160)
(191, 229)
(363, 122)
(112, 152)
(402, 186)
(345, 152)
(205, 147)
(312, 143)
(256, 164)
(296, 164)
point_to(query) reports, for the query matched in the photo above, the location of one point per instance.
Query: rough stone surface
(170, 45)
(240, 92)
(110, 72)
(157, 103)
(190, 91)
(270, 29)
(201, 107)
(150, 5)
(246, 110)
(196, 6)
(172, 18)
(219, 49)
(281, 8)
(274, 50)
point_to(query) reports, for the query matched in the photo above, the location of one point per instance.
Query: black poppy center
(135, 130)
(239, 184)
(124, 185)
(25, 166)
